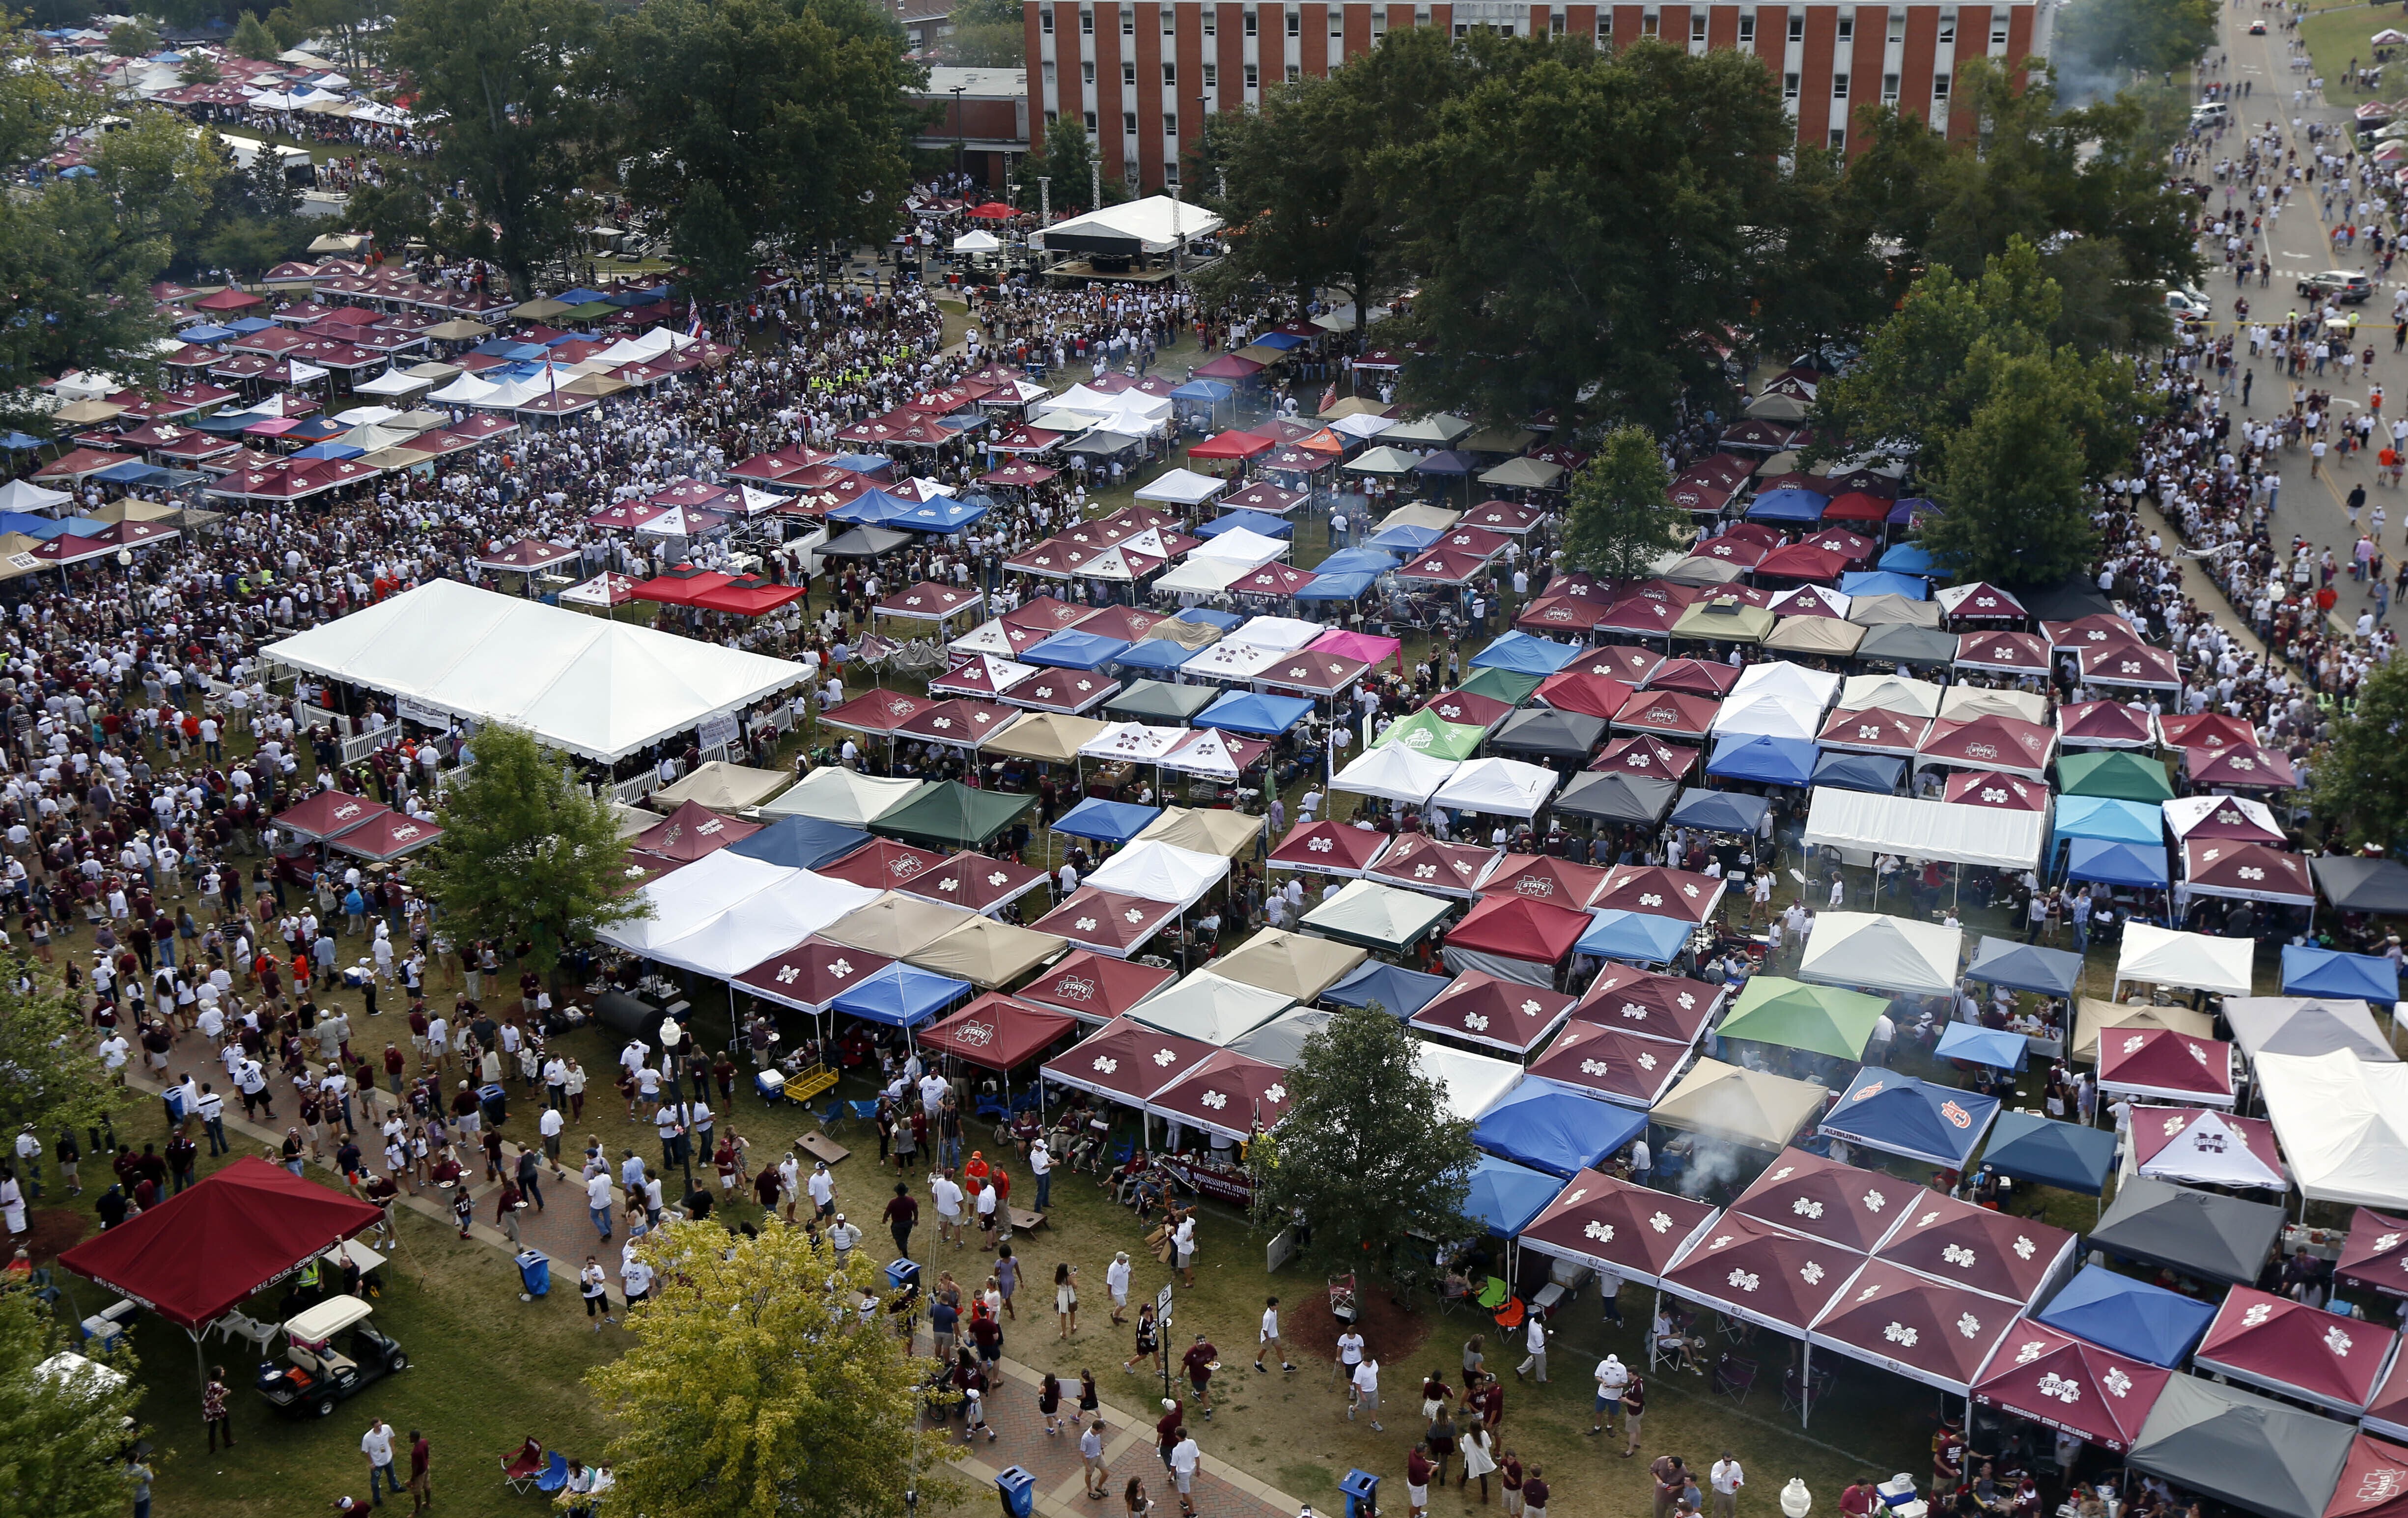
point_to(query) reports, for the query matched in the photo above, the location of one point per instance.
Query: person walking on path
(1116, 1282)
(1147, 1342)
(1417, 1481)
(1201, 1360)
(1365, 1392)
(1479, 1459)
(1091, 1457)
(594, 1284)
(1066, 1298)
(1534, 1340)
(1184, 1458)
(1271, 1341)
(902, 1216)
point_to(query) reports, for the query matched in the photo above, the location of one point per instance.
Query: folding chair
(831, 1117)
(522, 1465)
(865, 1111)
(555, 1475)
(1794, 1395)
(1734, 1376)
(1493, 1295)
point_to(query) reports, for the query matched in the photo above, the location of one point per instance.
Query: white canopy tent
(1886, 953)
(1503, 787)
(1963, 703)
(1229, 659)
(1789, 681)
(1240, 545)
(1159, 871)
(725, 913)
(599, 689)
(1940, 830)
(2184, 813)
(1134, 741)
(2192, 960)
(1156, 225)
(1204, 577)
(1770, 714)
(1210, 1009)
(1473, 1082)
(2343, 1123)
(1395, 773)
(833, 794)
(24, 495)
(1891, 693)
(1285, 633)
(1182, 487)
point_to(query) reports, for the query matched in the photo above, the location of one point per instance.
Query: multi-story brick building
(1143, 74)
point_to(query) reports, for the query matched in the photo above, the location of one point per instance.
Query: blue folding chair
(831, 1117)
(555, 1475)
(865, 1111)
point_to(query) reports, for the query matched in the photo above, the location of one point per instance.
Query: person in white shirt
(947, 1192)
(1364, 1392)
(1611, 1377)
(1727, 1478)
(1116, 1280)
(1270, 1340)
(1534, 1340)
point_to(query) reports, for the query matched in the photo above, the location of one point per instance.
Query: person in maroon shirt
(1857, 1501)
(1535, 1493)
(1417, 1480)
(902, 1214)
(1166, 1428)
(1509, 1476)
(1198, 1360)
(421, 1477)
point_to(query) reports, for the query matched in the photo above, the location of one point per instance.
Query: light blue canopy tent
(861, 463)
(1763, 759)
(1859, 772)
(1404, 538)
(1558, 1131)
(1787, 505)
(208, 332)
(1898, 1114)
(901, 996)
(1353, 560)
(2117, 864)
(1395, 990)
(2109, 819)
(1884, 582)
(1524, 654)
(1159, 653)
(1634, 936)
(2132, 1318)
(1506, 1196)
(1252, 522)
(1994, 1047)
(1339, 587)
(315, 450)
(1226, 620)
(1075, 650)
(2311, 972)
(939, 516)
(1910, 559)
(1208, 391)
(1106, 822)
(1286, 342)
(1254, 713)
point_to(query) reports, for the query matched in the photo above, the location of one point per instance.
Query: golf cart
(331, 1354)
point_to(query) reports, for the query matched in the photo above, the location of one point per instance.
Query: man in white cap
(1611, 1377)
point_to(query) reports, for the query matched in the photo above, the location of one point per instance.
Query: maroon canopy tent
(998, 1032)
(1980, 1250)
(2387, 1415)
(1668, 713)
(1578, 691)
(200, 1253)
(2002, 793)
(2373, 1482)
(2253, 871)
(878, 711)
(812, 974)
(2103, 724)
(1126, 1062)
(1511, 927)
(1326, 848)
(1626, 661)
(2297, 1349)
(2072, 1385)
(2008, 744)
(1924, 1329)
(2240, 768)
(1610, 1224)
(1095, 988)
(1500, 1013)
(1543, 878)
(1105, 921)
(1875, 730)
(1643, 754)
(2376, 1255)
(2206, 730)
(1660, 1007)
(1608, 1063)
(2009, 653)
(1657, 892)
(1752, 1271)
(1857, 1210)
(689, 832)
(1692, 677)
(1229, 1093)
(1418, 862)
(1468, 709)
(329, 815)
(883, 864)
(976, 882)
(389, 836)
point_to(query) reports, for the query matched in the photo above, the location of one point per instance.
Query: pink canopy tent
(1365, 647)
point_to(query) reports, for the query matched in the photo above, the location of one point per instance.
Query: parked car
(2188, 306)
(332, 1352)
(2346, 285)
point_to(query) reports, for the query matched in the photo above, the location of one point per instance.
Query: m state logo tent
(2072, 1385)
(2299, 1351)
(1854, 1208)
(1665, 1008)
(1606, 1063)
(998, 1032)
(1093, 987)
(1614, 1226)
(1980, 1250)
(1483, 1009)
(2205, 1148)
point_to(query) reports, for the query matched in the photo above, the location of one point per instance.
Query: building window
(1212, 75)
(1045, 20)
(1797, 27)
(1889, 89)
(1170, 76)
(1998, 31)
(1170, 123)
(1838, 139)
(1747, 29)
(1647, 23)
(1212, 20)
(1947, 27)
(1295, 73)
(1253, 25)
(1839, 87)
(1697, 26)
(1128, 76)
(1897, 26)
(1128, 123)
(1169, 20)
(1128, 23)
(1940, 86)
(1294, 24)
(1129, 171)
(1379, 23)
(1086, 23)
(1087, 73)
(1788, 86)
(1049, 73)
(1254, 78)
(1555, 24)
(1847, 29)
(1170, 172)
(1053, 116)
(1090, 117)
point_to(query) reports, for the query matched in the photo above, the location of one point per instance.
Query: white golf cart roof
(327, 1318)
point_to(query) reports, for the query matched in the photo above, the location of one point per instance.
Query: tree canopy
(51, 1075)
(2101, 44)
(2360, 779)
(62, 1438)
(1621, 520)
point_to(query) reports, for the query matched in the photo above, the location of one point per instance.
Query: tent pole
(1806, 1385)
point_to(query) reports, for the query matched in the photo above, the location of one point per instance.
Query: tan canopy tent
(1353, 406)
(2092, 1017)
(1421, 514)
(896, 926)
(723, 786)
(1827, 636)
(835, 794)
(1740, 1105)
(596, 385)
(1186, 634)
(542, 309)
(395, 458)
(987, 953)
(17, 556)
(634, 819)
(1046, 736)
(1292, 964)
(1724, 620)
(131, 509)
(458, 330)
(1229, 834)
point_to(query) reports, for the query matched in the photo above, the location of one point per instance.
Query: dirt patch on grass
(1390, 1332)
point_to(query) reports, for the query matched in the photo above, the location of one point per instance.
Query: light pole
(957, 126)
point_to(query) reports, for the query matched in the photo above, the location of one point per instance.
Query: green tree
(525, 851)
(794, 111)
(50, 1075)
(395, 212)
(501, 79)
(759, 1386)
(198, 68)
(163, 176)
(65, 1436)
(1065, 156)
(1368, 1152)
(1832, 284)
(251, 38)
(2099, 38)
(2013, 479)
(347, 22)
(1621, 520)
(2360, 779)
(75, 292)
(986, 34)
(135, 38)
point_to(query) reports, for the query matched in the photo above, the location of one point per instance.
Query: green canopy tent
(1426, 733)
(2113, 772)
(953, 816)
(1511, 686)
(1161, 703)
(1819, 1018)
(592, 310)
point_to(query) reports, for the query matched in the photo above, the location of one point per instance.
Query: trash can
(495, 1100)
(1019, 1489)
(902, 1275)
(534, 1269)
(1362, 1491)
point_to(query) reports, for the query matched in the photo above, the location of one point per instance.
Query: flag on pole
(693, 318)
(1329, 397)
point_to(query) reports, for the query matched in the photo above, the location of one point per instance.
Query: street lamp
(957, 126)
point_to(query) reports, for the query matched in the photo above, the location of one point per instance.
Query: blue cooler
(1362, 1490)
(535, 1268)
(495, 1100)
(771, 1083)
(1019, 1489)
(902, 1275)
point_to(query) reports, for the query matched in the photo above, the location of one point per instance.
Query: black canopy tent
(2196, 1232)
(2362, 886)
(1610, 797)
(2252, 1452)
(1548, 734)
(863, 543)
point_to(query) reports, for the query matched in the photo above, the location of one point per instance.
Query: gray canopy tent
(2026, 967)
(2196, 1232)
(2362, 886)
(2305, 1025)
(2252, 1452)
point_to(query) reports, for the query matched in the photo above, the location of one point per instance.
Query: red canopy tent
(1855, 506)
(998, 1032)
(329, 815)
(1514, 928)
(749, 596)
(2008, 653)
(1328, 848)
(1467, 708)
(2240, 768)
(993, 211)
(2072, 1385)
(1978, 1249)
(1924, 1329)
(2373, 1482)
(1876, 730)
(1230, 445)
(2159, 1061)
(1500, 1013)
(689, 832)
(2103, 724)
(1857, 1210)
(1105, 921)
(1692, 677)
(389, 836)
(1643, 754)
(1610, 1224)
(681, 586)
(1095, 988)
(1578, 691)
(975, 881)
(1669, 712)
(812, 974)
(1125, 1061)
(2000, 793)
(2297, 1349)
(1802, 560)
(199, 1254)
(2253, 871)
(1657, 892)
(2008, 744)
(1418, 862)
(1229, 1093)
(2376, 1255)
(1651, 1006)
(1543, 878)
(883, 864)
(1608, 1063)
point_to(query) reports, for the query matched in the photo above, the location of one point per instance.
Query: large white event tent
(1888, 954)
(1156, 224)
(2194, 961)
(2343, 1123)
(1498, 787)
(1942, 830)
(1159, 871)
(598, 688)
(725, 913)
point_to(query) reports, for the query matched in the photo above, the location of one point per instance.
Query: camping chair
(1493, 1295)
(1510, 1316)
(831, 1117)
(1734, 1376)
(990, 1104)
(555, 1475)
(522, 1465)
(865, 1111)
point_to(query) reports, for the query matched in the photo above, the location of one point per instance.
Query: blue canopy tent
(1787, 505)
(862, 463)
(244, 327)
(1159, 654)
(1898, 1114)
(1340, 587)
(1404, 538)
(1719, 812)
(1910, 559)
(1558, 1131)
(32, 526)
(136, 472)
(579, 296)
(939, 516)
(1523, 654)
(1286, 342)
(2109, 819)
(1226, 620)
(800, 842)
(873, 508)
(1253, 714)
(1395, 990)
(1075, 650)
(1763, 759)
(2129, 1317)
(18, 442)
(316, 429)
(901, 996)
(2062, 1155)
(1904, 512)
(1254, 521)
(1634, 936)
(2310, 972)
(2026, 967)
(1211, 391)
(1106, 822)
(208, 332)
(1447, 462)
(315, 450)
(1977, 1045)
(1859, 772)
(1884, 582)
(2117, 864)
(1506, 1195)
(1358, 560)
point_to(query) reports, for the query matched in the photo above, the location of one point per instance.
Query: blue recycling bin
(902, 1275)
(1362, 1490)
(495, 1100)
(535, 1268)
(1019, 1489)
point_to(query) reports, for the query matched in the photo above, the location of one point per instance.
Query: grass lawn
(2334, 37)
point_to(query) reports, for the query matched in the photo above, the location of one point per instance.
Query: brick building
(981, 113)
(1142, 74)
